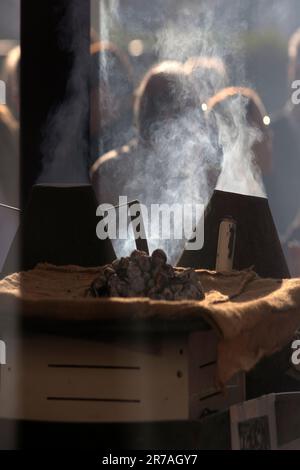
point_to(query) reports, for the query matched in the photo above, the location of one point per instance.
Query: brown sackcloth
(254, 317)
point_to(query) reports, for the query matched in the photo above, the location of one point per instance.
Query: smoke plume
(184, 153)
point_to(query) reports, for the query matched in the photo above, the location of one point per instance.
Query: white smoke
(174, 171)
(109, 17)
(240, 174)
(183, 154)
(212, 30)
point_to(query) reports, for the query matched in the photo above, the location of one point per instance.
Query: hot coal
(141, 275)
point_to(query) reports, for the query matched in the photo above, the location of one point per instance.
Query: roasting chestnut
(141, 275)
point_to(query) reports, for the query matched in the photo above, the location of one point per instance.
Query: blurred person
(174, 160)
(209, 75)
(164, 104)
(9, 158)
(245, 136)
(111, 112)
(282, 184)
(11, 76)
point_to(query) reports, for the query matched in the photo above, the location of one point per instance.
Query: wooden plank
(67, 379)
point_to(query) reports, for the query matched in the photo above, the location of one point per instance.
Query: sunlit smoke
(183, 154)
(109, 16)
(166, 174)
(239, 174)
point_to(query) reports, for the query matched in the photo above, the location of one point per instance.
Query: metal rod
(10, 207)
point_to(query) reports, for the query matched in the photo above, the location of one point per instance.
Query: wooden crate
(159, 377)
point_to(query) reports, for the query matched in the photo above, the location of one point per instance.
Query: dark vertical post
(48, 28)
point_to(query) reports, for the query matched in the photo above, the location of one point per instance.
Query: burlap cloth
(254, 317)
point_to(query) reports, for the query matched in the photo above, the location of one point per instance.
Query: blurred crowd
(126, 122)
(9, 129)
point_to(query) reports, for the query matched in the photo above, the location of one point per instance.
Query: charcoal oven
(121, 373)
(127, 373)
